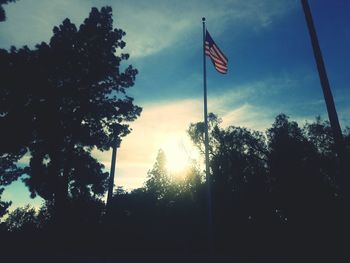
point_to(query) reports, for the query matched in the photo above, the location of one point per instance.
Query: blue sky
(271, 66)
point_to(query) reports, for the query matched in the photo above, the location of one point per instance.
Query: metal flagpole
(207, 173)
(327, 93)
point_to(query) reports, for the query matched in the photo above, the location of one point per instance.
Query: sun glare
(179, 154)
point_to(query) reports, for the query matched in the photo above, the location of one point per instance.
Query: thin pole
(327, 93)
(207, 172)
(111, 177)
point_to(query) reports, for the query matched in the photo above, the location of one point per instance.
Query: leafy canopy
(62, 99)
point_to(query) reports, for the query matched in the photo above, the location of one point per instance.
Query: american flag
(217, 57)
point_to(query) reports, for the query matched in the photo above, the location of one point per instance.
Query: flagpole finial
(203, 19)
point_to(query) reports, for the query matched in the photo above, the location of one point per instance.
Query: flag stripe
(223, 71)
(217, 57)
(211, 55)
(214, 53)
(220, 53)
(219, 64)
(218, 61)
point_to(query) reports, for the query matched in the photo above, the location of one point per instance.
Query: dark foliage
(273, 194)
(2, 11)
(63, 99)
(3, 205)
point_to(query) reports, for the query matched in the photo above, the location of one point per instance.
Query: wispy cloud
(257, 93)
(156, 25)
(256, 118)
(151, 26)
(30, 22)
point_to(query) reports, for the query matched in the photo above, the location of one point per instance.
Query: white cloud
(249, 116)
(151, 26)
(30, 22)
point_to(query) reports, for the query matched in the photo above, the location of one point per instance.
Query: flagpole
(207, 173)
(327, 93)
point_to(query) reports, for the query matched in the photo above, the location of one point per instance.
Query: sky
(271, 67)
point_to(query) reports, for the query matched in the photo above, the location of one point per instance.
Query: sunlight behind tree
(180, 154)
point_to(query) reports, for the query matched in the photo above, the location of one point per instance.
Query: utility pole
(111, 176)
(327, 93)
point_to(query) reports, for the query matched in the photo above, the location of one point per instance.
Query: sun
(179, 154)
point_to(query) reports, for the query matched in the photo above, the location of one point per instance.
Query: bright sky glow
(179, 154)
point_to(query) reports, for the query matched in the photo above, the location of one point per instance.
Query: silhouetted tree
(44, 215)
(319, 133)
(239, 175)
(15, 118)
(3, 205)
(297, 162)
(2, 11)
(347, 141)
(172, 186)
(196, 132)
(74, 99)
(238, 155)
(158, 179)
(22, 219)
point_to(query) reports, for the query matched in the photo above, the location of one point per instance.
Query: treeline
(272, 192)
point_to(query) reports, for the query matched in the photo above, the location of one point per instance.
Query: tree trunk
(60, 177)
